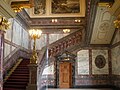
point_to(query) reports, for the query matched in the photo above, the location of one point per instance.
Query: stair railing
(12, 58)
(41, 64)
(12, 69)
(65, 43)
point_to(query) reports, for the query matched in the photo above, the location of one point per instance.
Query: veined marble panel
(116, 60)
(55, 37)
(83, 62)
(17, 30)
(43, 39)
(41, 42)
(48, 70)
(103, 70)
(6, 49)
(8, 33)
(25, 38)
(117, 37)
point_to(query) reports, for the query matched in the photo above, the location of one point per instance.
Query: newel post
(32, 85)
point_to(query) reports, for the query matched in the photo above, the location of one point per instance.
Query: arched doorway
(65, 70)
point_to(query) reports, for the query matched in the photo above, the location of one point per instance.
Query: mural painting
(65, 6)
(40, 7)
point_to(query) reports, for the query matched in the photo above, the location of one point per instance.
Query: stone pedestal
(32, 85)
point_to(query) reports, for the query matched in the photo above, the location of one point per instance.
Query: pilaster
(1, 57)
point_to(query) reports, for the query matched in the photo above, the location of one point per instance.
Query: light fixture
(34, 34)
(117, 22)
(66, 30)
(77, 20)
(4, 23)
(54, 20)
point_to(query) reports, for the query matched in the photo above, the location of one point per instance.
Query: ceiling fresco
(58, 8)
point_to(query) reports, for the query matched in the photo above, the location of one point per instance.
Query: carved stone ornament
(100, 61)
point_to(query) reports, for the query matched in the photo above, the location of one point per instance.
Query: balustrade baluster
(50, 52)
(67, 44)
(60, 47)
(73, 40)
(77, 36)
(56, 49)
(70, 41)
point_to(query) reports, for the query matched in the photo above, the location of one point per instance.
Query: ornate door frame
(65, 57)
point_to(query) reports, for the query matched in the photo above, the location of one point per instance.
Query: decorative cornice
(6, 10)
(92, 8)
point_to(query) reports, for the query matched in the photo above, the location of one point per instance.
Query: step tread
(19, 78)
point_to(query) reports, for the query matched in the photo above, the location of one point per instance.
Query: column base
(31, 87)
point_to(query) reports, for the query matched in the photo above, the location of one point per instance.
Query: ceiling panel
(103, 28)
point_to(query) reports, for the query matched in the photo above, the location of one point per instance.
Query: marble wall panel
(8, 33)
(41, 42)
(17, 31)
(55, 37)
(116, 60)
(49, 70)
(43, 39)
(95, 69)
(6, 49)
(25, 38)
(83, 62)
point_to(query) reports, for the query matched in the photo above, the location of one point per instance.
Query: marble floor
(81, 89)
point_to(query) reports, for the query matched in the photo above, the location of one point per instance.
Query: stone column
(32, 85)
(1, 58)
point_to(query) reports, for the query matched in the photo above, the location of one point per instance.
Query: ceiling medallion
(100, 61)
(104, 26)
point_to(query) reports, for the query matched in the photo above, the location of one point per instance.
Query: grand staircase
(19, 79)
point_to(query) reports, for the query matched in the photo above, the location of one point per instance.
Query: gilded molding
(115, 9)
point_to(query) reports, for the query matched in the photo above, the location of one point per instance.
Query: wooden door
(65, 75)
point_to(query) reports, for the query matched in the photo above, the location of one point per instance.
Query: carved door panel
(65, 75)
